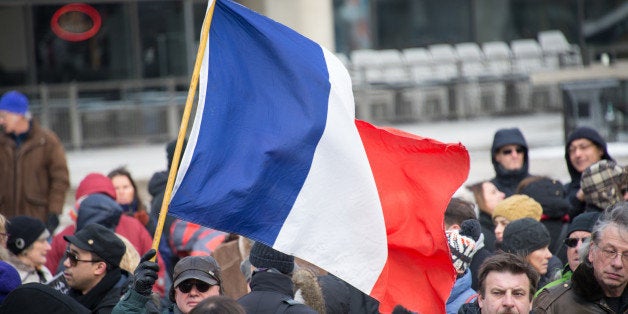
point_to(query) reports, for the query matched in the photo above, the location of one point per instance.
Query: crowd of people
(522, 243)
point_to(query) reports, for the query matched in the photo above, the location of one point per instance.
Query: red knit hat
(95, 183)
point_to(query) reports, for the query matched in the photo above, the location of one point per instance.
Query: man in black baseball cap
(92, 269)
(195, 278)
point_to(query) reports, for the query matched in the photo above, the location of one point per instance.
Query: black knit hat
(471, 228)
(23, 231)
(263, 256)
(583, 222)
(550, 194)
(524, 236)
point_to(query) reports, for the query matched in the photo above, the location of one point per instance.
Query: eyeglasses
(74, 259)
(609, 254)
(507, 152)
(187, 285)
(574, 148)
(573, 242)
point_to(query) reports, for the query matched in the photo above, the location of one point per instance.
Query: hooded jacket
(507, 180)
(572, 187)
(460, 293)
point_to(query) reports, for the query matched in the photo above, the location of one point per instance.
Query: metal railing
(109, 113)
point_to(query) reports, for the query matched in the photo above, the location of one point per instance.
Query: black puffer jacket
(507, 180)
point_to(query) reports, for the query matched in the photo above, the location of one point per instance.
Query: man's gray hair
(616, 215)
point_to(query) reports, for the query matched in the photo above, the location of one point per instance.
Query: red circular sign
(76, 7)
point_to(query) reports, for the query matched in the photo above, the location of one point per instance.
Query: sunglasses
(506, 152)
(573, 242)
(187, 285)
(74, 259)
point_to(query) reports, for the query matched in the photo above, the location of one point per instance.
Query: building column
(313, 19)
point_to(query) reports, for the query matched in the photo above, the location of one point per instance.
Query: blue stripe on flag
(265, 111)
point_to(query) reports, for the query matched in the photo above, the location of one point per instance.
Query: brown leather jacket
(34, 178)
(581, 294)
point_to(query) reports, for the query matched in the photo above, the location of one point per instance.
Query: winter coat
(571, 188)
(106, 213)
(29, 273)
(270, 292)
(38, 298)
(228, 256)
(190, 239)
(488, 230)
(156, 188)
(460, 294)
(477, 260)
(102, 298)
(581, 294)
(341, 297)
(508, 180)
(554, 268)
(566, 275)
(135, 303)
(34, 176)
(470, 308)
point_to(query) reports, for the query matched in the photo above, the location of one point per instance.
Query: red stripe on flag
(415, 178)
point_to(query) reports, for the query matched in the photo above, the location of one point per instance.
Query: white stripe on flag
(349, 233)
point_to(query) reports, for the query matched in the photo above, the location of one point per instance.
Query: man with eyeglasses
(578, 232)
(195, 278)
(509, 155)
(598, 284)
(92, 268)
(584, 147)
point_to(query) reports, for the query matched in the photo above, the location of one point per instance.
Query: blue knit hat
(10, 279)
(14, 102)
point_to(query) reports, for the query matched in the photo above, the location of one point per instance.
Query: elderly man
(598, 285)
(509, 154)
(35, 175)
(195, 278)
(507, 284)
(92, 268)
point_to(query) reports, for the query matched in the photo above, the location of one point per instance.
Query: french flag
(276, 154)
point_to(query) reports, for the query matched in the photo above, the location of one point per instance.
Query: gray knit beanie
(264, 256)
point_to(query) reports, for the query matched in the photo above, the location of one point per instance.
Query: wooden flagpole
(183, 128)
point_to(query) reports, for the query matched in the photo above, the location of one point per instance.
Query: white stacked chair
(557, 50)
(483, 91)
(429, 97)
(528, 60)
(373, 103)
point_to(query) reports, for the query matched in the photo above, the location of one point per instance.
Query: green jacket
(133, 302)
(566, 276)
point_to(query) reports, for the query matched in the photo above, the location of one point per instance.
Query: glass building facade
(144, 39)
